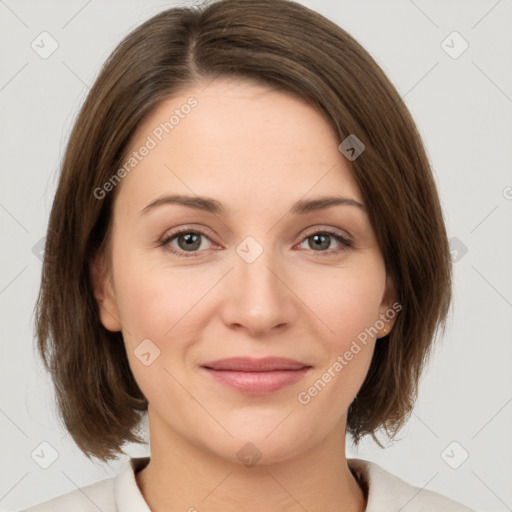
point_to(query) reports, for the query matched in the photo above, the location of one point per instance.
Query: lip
(256, 376)
(251, 364)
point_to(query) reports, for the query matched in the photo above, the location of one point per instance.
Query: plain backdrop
(458, 440)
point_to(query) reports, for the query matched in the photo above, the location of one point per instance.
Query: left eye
(322, 240)
(190, 241)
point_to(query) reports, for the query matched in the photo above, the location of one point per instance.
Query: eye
(320, 240)
(188, 241)
(191, 242)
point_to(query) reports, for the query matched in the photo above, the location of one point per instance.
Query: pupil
(191, 240)
(317, 239)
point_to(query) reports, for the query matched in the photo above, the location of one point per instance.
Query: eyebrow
(211, 205)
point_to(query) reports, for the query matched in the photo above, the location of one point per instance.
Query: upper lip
(249, 364)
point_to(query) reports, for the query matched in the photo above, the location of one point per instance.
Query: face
(257, 278)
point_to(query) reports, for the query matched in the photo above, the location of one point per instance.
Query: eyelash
(345, 243)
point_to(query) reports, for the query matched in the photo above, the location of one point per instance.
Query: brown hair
(286, 46)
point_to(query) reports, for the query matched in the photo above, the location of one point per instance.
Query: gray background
(463, 109)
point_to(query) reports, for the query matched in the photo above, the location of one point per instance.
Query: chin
(260, 446)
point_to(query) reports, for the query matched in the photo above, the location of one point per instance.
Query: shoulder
(110, 495)
(388, 492)
(91, 498)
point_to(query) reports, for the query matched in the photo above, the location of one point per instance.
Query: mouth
(256, 376)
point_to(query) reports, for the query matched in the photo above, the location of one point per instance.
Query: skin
(256, 150)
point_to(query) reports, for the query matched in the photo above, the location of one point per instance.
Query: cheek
(151, 297)
(346, 300)
(165, 306)
(349, 307)
(155, 309)
(144, 304)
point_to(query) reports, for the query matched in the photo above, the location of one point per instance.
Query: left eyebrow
(302, 207)
(211, 205)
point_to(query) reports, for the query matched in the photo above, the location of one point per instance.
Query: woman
(247, 243)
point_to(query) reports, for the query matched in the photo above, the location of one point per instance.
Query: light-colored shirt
(385, 493)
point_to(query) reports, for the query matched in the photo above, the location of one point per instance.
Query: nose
(258, 291)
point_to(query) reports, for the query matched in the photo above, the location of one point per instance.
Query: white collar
(126, 491)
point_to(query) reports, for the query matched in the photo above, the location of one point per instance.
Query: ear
(388, 309)
(104, 294)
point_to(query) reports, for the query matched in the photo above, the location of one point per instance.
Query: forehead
(237, 141)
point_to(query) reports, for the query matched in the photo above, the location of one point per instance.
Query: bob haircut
(288, 47)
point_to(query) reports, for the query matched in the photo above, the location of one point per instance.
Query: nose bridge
(255, 262)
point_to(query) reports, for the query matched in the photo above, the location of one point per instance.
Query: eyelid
(313, 230)
(328, 229)
(203, 230)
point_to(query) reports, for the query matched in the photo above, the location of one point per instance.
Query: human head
(258, 41)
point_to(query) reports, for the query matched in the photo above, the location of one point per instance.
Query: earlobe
(387, 310)
(104, 294)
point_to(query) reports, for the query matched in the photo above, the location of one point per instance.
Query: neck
(182, 476)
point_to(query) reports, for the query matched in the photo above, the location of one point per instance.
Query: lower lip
(257, 383)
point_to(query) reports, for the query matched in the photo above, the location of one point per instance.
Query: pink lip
(256, 376)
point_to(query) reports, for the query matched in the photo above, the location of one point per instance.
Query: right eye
(187, 240)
